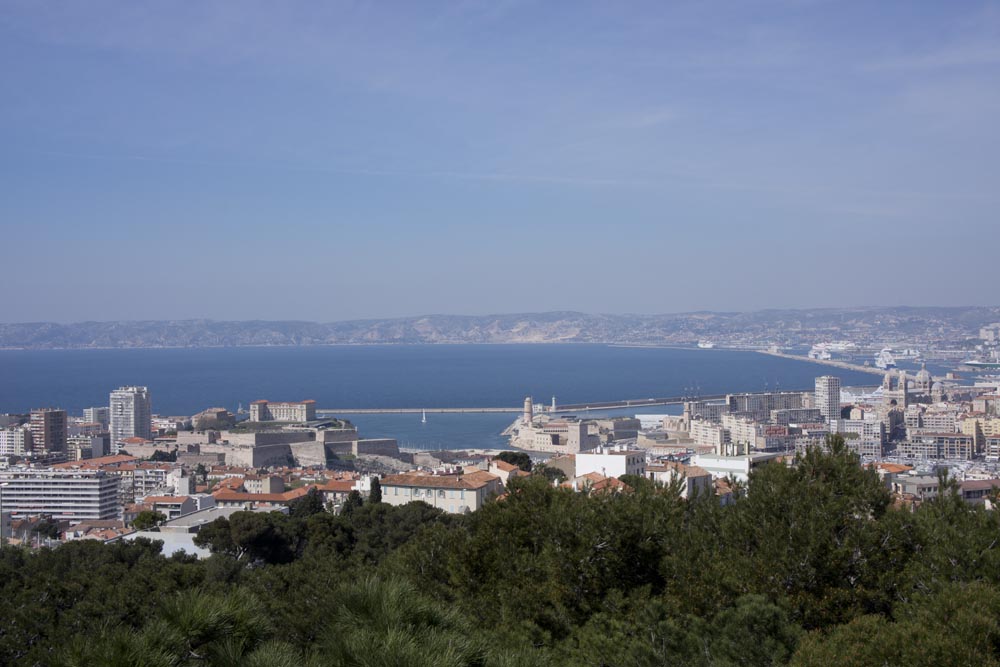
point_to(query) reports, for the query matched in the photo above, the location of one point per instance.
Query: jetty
(332, 412)
(828, 362)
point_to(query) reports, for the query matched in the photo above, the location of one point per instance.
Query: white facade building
(72, 495)
(828, 398)
(131, 415)
(15, 441)
(708, 434)
(99, 415)
(456, 494)
(611, 461)
(269, 411)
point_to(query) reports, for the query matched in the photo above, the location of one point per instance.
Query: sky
(328, 161)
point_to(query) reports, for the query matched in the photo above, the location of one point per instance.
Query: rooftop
(472, 480)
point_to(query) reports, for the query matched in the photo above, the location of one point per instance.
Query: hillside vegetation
(812, 566)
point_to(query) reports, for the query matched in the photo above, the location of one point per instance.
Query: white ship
(885, 360)
(992, 362)
(705, 344)
(820, 352)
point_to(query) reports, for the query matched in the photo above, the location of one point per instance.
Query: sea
(185, 381)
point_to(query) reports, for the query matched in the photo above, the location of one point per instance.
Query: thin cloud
(963, 56)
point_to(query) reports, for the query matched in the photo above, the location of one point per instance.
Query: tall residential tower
(828, 399)
(48, 430)
(131, 415)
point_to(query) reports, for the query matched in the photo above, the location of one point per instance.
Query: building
(131, 415)
(738, 467)
(758, 406)
(708, 410)
(250, 501)
(101, 415)
(15, 441)
(992, 448)
(172, 507)
(956, 446)
(692, 479)
(611, 461)
(827, 398)
(866, 437)
(80, 447)
(263, 484)
(786, 416)
(455, 494)
(979, 491)
(268, 411)
(69, 495)
(49, 430)
(705, 433)
(916, 487)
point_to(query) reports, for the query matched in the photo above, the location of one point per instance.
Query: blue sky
(327, 161)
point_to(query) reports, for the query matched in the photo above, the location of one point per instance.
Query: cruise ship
(885, 360)
(992, 363)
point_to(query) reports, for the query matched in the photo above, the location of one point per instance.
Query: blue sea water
(185, 381)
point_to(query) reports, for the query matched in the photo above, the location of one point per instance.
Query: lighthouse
(528, 411)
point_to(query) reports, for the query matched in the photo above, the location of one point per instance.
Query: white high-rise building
(73, 495)
(15, 441)
(828, 398)
(131, 415)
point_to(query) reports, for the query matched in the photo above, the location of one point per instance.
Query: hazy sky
(327, 161)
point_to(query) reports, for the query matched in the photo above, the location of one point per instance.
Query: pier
(828, 362)
(635, 403)
(571, 407)
(333, 412)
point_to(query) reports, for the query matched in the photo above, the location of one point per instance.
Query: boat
(989, 363)
(423, 416)
(885, 360)
(820, 353)
(706, 345)
(975, 363)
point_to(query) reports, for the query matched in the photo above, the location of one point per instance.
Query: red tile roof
(234, 496)
(98, 462)
(472, 480)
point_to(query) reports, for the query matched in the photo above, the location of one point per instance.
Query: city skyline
(361, 161)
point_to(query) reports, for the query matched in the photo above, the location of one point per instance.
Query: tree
(253, 537)
(375, 495)
(46, 528)
(519, 459)
(163, 456)
(201, 471)
(352, 502)
(148, 519)
(307, 505)
(550, 473)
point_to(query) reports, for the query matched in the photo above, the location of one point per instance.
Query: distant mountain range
(783, 327)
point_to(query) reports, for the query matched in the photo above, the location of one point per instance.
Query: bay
(185, 381)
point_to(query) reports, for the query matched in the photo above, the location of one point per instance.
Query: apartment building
(71, 495)
(269, 411)
(455, 494)
(131, 415)
(49, 430)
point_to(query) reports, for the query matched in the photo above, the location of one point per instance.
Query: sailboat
(423, 416)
